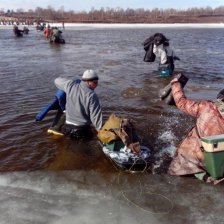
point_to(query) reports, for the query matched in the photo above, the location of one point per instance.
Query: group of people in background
(54, 34)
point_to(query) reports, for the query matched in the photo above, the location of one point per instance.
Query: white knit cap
(89, 75)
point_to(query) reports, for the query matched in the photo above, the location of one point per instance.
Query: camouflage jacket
(189, 158)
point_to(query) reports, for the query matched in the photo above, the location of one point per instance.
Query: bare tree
(119, 15)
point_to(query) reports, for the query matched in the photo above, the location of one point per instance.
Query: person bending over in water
(82, 105)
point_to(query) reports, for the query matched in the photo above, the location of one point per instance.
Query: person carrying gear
(158, 46)
(189, 157)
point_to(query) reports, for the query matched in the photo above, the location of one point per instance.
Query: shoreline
(131, 25)
(143, 25)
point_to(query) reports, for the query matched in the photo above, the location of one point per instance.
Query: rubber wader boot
(166, 93)
(163, 93)
(58, 121)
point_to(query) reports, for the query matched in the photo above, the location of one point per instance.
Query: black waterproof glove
(176, 58)
(182, 79)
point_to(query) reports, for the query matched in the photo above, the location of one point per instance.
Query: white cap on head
(89, 75)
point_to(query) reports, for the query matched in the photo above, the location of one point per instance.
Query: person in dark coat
(17, 31)
(158, 45)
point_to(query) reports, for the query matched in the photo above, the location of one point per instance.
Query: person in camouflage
(189, 158)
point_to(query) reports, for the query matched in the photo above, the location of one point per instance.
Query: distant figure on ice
(17, 31)
(47, 31)
(158, 45)
(25, 30)
(56, 36)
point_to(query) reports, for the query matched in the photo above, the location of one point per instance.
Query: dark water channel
(73, 182)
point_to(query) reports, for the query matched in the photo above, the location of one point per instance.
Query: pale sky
(79, 5)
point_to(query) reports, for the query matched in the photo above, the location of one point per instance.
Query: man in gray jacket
(82, 105)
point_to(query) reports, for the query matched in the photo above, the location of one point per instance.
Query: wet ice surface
(68, 197)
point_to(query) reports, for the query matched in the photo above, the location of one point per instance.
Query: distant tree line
(119, 15)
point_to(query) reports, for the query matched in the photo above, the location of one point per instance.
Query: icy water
(46, 179)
